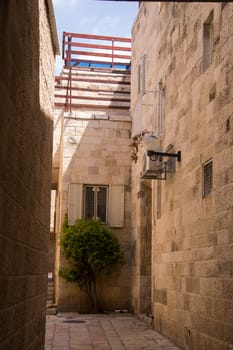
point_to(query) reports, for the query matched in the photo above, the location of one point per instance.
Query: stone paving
(102, 332)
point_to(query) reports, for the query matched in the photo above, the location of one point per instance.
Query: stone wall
(92, 144)
(191, 233)
(25, 171)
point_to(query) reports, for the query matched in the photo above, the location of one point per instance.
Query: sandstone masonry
(182, 227)
(91, 152)
(28, 46)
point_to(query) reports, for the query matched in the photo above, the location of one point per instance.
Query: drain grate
(73, 321)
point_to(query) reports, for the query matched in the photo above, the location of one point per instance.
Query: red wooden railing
(107, 52)
(93, 51)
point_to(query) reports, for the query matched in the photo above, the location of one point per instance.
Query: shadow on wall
(96, 152)
(25, 169)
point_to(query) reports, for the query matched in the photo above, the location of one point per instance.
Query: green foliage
(134, 146)
(90, 247)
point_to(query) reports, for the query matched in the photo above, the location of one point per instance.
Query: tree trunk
(95, 305)
(91, 292)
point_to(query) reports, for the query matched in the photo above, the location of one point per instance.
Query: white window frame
(115, 204)
(95, 189)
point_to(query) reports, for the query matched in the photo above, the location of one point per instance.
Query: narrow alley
(134, 134)
(70, 331)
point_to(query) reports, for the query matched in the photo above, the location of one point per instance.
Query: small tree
(90, 248)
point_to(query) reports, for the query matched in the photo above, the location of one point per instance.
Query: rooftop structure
(91, 164)
(84, 55)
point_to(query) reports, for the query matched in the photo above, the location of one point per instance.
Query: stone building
(28, 47)
(182, 226)
(91, 164)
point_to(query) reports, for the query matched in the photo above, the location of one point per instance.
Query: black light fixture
(154, 167)
(157, 154)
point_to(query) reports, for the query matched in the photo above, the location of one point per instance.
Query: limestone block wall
(144, 103)
(48, 45)
(25, 172)
(191, 233)
(94, 150)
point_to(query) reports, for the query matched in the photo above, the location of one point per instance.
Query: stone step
(51, 307)
(50, 293)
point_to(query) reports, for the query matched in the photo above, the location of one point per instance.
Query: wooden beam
(99, 54)
(96, 107)
(97, 37)
(98, 62)
(104, 47)
(93, 90)
(94, 98)
(100, 81)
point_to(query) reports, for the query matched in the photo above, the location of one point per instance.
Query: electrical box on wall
(154, 167)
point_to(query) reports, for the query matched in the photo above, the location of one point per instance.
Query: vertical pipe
(70, 79)
(112, 53)
(63, 45)
(69, 51)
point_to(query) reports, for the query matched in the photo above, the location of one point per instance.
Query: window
(208, 42)
(160, 108)
(207, 178)
(98, 201)
(144, 74)
(139, 79)
(95, 202)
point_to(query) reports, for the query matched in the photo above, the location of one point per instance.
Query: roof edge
(53, 26)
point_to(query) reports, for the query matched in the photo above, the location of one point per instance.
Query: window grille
(144, 74)
(207, 178)
(95, 202)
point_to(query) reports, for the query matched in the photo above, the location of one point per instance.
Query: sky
(93, 17)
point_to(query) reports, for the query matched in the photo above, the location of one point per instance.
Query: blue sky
(93, 17)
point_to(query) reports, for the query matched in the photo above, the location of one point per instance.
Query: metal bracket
(164, 154)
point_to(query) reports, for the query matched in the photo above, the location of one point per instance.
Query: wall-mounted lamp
(153, 166)
(177, 155)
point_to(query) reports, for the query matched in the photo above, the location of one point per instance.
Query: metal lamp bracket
(165, 154)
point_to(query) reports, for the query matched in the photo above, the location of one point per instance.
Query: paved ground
(102, 332)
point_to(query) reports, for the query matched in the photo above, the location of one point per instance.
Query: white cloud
(112, 20)
(100, 26)
(106, 25)
(87, 21)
